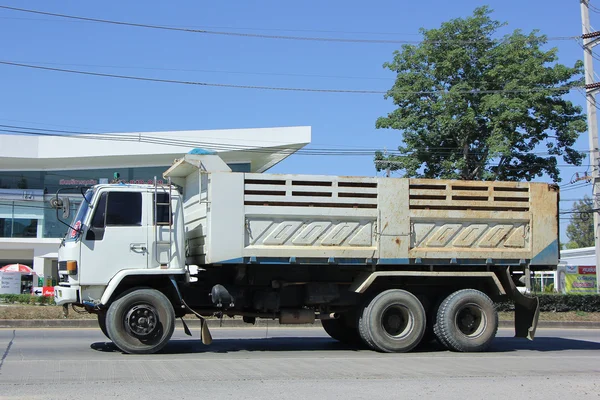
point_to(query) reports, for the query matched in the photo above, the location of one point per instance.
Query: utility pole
(591, 39)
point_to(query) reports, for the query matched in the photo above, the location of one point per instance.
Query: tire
(393, 322)
(342, 329)
(466, 321)
(141, 322)
(102, 323)
(441, 339)
(432, 321)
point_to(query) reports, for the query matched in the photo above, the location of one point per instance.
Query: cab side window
(96, 231)
(124, 209)
(100, 212)
(115, 209)
(162, 216)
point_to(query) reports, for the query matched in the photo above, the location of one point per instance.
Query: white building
(577, 267)
(33, 168)
(575, 273)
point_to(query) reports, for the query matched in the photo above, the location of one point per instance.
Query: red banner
(587, 270)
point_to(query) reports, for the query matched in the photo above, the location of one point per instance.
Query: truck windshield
(77, 223)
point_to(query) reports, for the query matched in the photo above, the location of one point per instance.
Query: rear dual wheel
(393, 322)
(466, 321)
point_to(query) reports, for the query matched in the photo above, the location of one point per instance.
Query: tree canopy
(471, 105)
(580, 230)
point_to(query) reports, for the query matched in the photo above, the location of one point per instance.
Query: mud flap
(205, 335)
(527, 309)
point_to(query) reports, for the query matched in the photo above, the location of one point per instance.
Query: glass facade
(51, 181)
(24, 215)
(31, 219)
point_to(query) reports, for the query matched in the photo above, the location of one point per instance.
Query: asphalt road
(281, 363)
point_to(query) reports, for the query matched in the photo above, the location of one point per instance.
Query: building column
(39, 266)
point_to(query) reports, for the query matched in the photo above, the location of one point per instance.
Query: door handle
(137, 247)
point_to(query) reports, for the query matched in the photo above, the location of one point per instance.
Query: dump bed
(269, 218)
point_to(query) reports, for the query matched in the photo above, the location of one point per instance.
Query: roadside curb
(238, 323)
(557, 324)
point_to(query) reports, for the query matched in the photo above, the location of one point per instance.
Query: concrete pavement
(283, 363)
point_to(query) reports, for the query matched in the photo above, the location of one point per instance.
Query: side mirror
(63, 204)
(66, 208)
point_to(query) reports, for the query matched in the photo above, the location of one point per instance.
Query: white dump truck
(382, 262)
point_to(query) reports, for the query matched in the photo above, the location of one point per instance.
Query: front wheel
(102, 322)
(141, 322)
(393, 322)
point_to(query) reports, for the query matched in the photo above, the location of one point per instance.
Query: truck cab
(120, 230)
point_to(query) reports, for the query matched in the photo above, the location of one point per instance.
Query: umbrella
(24, 269)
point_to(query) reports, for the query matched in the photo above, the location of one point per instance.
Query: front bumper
(65, 295)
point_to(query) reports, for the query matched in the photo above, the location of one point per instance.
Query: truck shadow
(505, 344)
(500, 345)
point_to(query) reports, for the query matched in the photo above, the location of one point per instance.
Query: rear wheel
(466, 321)
(393, 322)
(141, 322)
(342, 329)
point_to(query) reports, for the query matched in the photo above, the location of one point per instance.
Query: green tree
(22, 184)
(471, 106)
(580, 230)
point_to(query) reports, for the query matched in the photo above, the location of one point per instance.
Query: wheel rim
(471, 320)
(397, 321)
(141, 320)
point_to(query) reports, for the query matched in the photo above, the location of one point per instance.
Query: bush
(549, 288)
(561, 303)
(26, 299)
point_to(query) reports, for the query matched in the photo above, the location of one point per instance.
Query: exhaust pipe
(328, 316)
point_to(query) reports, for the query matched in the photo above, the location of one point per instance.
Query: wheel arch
(125, 282)
(414, 282)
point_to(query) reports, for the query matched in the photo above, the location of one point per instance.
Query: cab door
(116, 238)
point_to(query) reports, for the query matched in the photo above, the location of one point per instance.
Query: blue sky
(57, 100)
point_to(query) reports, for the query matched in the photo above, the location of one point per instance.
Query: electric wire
(218, 146)
(593, 7)
(564, 88)
(258, 73)
(249, 35)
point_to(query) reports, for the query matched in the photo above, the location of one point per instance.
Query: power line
(593, 7)
(241, 28)
(274, 143)
(259, 73)
(251, 35)
(215, 145)
(574, 187)
(513, 167)
(219, 146)
(181, 142)
(565, 88)
(206, 84)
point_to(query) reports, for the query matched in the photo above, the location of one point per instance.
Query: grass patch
(24, 311)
